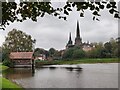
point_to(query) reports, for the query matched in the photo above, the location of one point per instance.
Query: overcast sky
(50, 31)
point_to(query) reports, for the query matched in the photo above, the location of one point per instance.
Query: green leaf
(85, 7)
(42, 14)
(59, 17)
(97, 9)
(55, 14)
(21, 4)
(64, 18)
(92, 7)
(65, 12)
(95, 13)
(113, 3)
(94, 18)
(97, 19)
(116, 16)
(20, 20)
(98, 2)
(81, 15)
(69, 9)
(73, 5)
(108, 6)
(111, 11)
(65, 6)
(101, 6)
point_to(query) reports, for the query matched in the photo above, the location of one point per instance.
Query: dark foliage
(31, 10)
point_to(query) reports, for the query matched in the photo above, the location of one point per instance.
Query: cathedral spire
(78, 39)
(70, 37)
(77, 31)
(70, 40)
(69, 44)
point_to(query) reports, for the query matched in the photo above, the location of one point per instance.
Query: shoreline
(6, 83)
(81, 61)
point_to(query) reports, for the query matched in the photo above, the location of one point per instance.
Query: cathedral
(78, 41)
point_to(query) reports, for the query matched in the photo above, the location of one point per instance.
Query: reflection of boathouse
(17, 73)
(21, 58)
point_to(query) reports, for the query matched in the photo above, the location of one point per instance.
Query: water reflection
(17, 73)
(66, 76)
(74, 68)
(33, 71)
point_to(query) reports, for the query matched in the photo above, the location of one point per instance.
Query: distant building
(40, 57)
(78, 41)
(87, 47)
(21, 58)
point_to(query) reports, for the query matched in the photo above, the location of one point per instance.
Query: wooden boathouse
(22, 59)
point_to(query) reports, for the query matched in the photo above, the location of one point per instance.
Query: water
(58, 76)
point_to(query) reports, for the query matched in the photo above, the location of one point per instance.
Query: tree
(118, 44)
(73, 53)
(114, 45)
(78, 53)
(0, 54)
(57, 55)
(116, 53)
(108, 47)
(52, 51)
(68, 53)
(5, 58)
(92, 53)
(118, 40)
(12, 11)
(39, 51)
(98, 52)
(46, 53)
(17, 40)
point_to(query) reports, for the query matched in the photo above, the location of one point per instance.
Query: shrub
(8, 63)
(79, 53)
(73, 53)
(68, 53)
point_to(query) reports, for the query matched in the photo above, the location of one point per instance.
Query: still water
(60, 76)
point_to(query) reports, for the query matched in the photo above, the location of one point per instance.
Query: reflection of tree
(32, 10)
(78, 71)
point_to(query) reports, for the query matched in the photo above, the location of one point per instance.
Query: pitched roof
(21, 55)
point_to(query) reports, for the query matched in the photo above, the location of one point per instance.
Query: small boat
(74, 68)
(52, 67)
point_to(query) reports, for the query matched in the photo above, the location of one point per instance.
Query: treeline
(50, 54)
(73, 53)
(108, 49)
(18, 41)
(25, 43)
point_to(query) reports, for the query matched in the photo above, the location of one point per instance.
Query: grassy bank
(5, 83)
(2, 67)
(80, 61)
(8, 85)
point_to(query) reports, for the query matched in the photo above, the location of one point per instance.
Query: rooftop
(21, 55)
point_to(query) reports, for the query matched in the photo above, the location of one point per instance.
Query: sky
(50, 31)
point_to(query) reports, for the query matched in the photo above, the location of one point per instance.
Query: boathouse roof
(21, 55)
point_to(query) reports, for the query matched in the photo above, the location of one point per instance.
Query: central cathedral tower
(78, 39)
